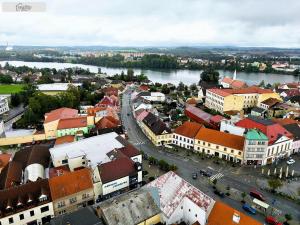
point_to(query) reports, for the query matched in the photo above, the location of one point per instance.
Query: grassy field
(10, 88)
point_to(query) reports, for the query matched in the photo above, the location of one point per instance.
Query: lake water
(165, 76)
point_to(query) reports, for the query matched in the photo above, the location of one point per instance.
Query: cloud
(156, 22)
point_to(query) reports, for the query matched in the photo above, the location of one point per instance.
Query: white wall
(27, 218)
(115, 185)
(185, 142)
(231, 128)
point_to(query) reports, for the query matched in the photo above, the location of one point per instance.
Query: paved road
(186, 166)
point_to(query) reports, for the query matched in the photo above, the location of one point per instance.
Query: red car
(272, 221)
(256, 194)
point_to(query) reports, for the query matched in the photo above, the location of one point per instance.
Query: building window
(31, 213)
(225, 149)
(189, 210)
(232, 151)
(21, 216)
(217, 146)
(44, 209)
(195, 215)
(73, 200)
(240, 153)
(64, 161)
(61, 204)
(85, 195)
(11, 220)
(208, 145)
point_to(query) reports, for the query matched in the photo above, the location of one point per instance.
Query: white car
(290, 161)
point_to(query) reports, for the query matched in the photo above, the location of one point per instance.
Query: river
(165, 76)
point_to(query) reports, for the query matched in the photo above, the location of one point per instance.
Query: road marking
(139, 143)
(216, 176)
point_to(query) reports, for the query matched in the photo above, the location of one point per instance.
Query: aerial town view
(147, 112)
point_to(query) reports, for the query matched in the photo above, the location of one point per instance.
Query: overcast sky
(156, 23)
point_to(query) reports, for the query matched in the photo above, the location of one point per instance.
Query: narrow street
(186, 166)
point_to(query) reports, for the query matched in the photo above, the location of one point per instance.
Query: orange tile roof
(221, 138)
(188, 129)
(72, 123)
(70, 183)
(191, 101)
(227, 80)
(247, 90)
(60, 114)
(64, 139)
(238, 84)
(285, 121)
(222, 214)
(107, 122)
(4, 159)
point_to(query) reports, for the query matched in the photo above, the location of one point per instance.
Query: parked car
(256, 194)
(272, 221)
(290, 161)
(219, 193)
(249, 209)
(194, 175)
(205, 173)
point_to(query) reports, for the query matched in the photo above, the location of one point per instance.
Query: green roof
(254, 134)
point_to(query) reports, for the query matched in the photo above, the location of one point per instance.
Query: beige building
(220, 144)
(71, 191)
(156, 130)
(224, 100)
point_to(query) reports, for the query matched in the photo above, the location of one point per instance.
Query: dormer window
(43, 198)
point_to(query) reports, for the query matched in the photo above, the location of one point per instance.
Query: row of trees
(152, 61)
(162, 164)
(5, 79)
(130, 76)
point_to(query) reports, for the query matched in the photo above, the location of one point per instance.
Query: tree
(262, 84)
(243, 194)
(6, 79)
(45, 79)
(130, 74)
(180, 86)
(193, 87)
(165, 89)
(210, 75)
(15, 99)
(288, 217)
(274, 184)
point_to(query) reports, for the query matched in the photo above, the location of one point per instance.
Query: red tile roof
(61, 113)
(116, 169)
(129, 151)
(72, 123)
(107, 122)
(65, 139)
(188, 129)
(110, 91)
(271, 129)
(221, 138)
(144, 87)
(234, 83)
(216, 119)
(222, 214)
(64, 185)
(109, 101)
(197, 114)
